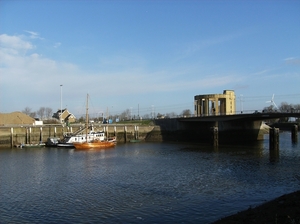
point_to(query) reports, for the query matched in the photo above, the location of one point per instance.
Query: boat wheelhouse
(91, 136)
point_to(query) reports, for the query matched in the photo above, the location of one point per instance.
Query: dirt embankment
(282, 210)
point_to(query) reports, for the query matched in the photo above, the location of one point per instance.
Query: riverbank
(285, 209)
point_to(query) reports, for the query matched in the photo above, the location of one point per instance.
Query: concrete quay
(15, 135)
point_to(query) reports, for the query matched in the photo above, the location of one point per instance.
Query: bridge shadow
(199, 131)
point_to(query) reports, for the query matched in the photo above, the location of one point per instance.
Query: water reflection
(274, 155)
(143, 182)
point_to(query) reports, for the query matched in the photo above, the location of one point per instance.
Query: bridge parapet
(243, 116)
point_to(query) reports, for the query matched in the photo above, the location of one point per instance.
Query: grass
(136, 122)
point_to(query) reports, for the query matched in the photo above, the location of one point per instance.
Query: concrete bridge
(231, 128)
(256, 116)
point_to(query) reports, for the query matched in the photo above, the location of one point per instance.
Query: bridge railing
(240, 112)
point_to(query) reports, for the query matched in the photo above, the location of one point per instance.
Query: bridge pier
(274, 139)
(214, 135)
(274, 144)
(294, 133)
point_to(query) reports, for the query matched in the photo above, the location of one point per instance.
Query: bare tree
(171, 115)
(186, 113)
(285, 107)
(125, 115)
(48, 113)
(27, 111)
(269, 108)
(296, 107)
(32, 114)
(41, 113)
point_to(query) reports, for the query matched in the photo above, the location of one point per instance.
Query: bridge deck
(246, 117)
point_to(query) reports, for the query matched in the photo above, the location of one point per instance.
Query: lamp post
(61, 103)
(241, 102)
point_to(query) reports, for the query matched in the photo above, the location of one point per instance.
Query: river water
(143, 182)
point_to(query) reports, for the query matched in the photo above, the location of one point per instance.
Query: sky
(147, 56)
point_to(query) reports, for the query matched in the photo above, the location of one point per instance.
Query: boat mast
(87, 117)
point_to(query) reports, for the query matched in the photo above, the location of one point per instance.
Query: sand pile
(15, 118)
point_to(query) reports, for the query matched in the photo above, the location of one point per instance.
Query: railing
(239, 112)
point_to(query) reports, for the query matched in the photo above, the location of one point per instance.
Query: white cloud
(292, 61)
(127, 69)
(205, 43)
(56, 45)
(14, 44)
(17, 64)
(37, 77)
(34, 35)
(262, 72)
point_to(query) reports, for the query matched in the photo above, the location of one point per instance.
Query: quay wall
(16, 135)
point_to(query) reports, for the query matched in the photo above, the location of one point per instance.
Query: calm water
(143, 182)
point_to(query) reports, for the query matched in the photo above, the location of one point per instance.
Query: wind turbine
(272, 102)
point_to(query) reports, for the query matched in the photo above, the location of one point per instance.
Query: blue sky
(147, 55)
